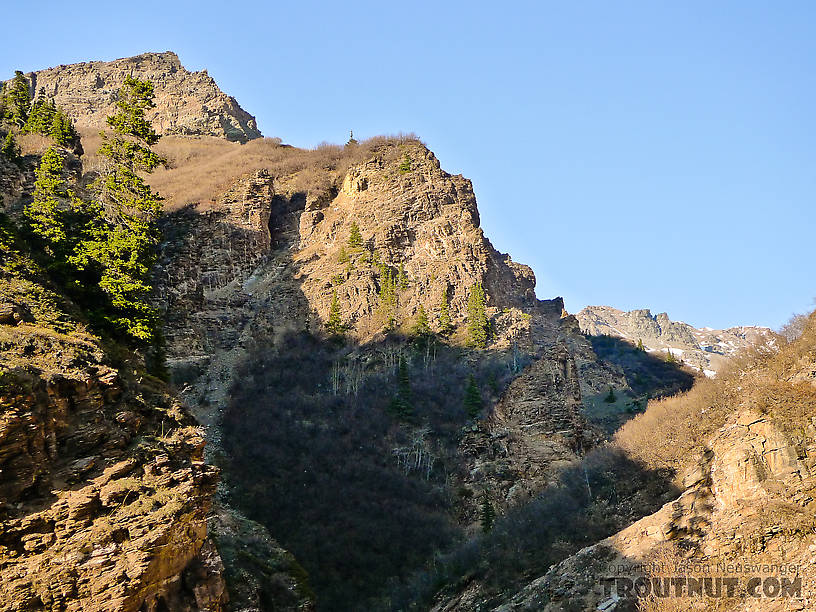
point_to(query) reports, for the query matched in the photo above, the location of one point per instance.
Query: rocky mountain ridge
(188, 103)
(705, 349)
(265, 259)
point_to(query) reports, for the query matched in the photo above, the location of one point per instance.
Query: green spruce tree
(120, 242)
(18, 100)
(63, 132)
(45, 213)
(445, 324)
(610, 397)
(473, 399)
(388, 297)
(334, 325)
(421, 327)
(477, 324)
(401, 404)
(405, 165)
(41, 116)
(487, 514)
(355, 240)
(11, 149)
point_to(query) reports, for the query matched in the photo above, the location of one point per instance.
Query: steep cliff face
(536, 429)
(416, 217)
(706, 349)
(187, 102)
(204, 287)
(104, 492)
(268, 256)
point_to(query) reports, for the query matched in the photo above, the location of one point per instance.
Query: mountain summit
(187, 103)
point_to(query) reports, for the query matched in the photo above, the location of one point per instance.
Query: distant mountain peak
(705, 349)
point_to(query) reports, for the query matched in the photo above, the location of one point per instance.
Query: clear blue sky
(636, 154)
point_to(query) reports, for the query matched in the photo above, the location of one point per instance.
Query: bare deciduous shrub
(334, 486)
(794, 328)
(673, 430)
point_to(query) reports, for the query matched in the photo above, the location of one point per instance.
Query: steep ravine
(241, 280)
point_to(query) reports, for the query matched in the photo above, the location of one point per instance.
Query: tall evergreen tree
(421, 328)
(11, 149)
(445, 324)
(355, 240)
(487, 514)
(405, 165)
(121, 245)
(62, 129)
(45, 213)
(388, 297)
(401, 403)
(477, 317)
(18, 100)
(42, 115)
(473, 399)
(334, 325)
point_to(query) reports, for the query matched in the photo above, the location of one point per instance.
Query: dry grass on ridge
(200, 168)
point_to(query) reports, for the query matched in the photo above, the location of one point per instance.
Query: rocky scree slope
(706, 349)
(188, 103)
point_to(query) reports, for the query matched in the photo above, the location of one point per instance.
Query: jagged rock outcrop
(536, 429)
(268, 257)
(187, 103)
(423, 220)
(705, 349)
(104, 491)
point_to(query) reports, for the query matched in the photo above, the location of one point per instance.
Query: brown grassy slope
(780, 383)
(201, 168)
